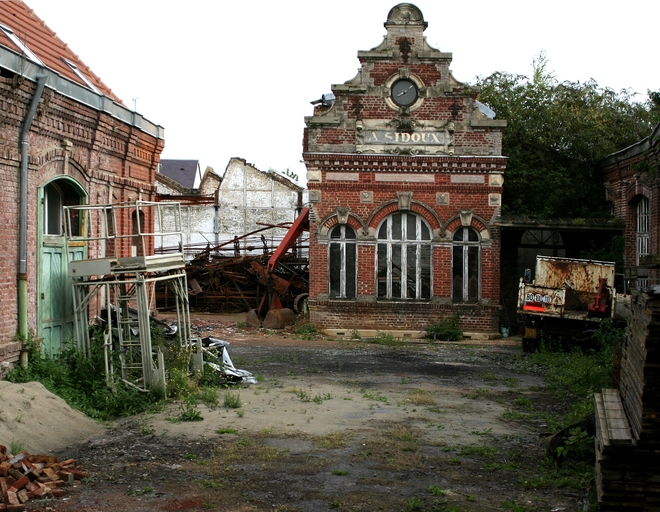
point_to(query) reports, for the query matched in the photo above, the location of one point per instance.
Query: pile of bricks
(25, 476)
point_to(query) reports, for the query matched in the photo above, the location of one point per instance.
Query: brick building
(65, 139)
(631, 188)
(405, 176)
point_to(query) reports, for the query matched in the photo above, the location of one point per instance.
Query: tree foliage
(557, 133)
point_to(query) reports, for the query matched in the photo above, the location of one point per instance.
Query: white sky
(235, 78)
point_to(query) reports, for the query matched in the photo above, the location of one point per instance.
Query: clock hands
(404, 92)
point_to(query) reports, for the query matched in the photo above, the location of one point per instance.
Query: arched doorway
(54, 301)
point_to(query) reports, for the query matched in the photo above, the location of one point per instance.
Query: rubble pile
(25, 476)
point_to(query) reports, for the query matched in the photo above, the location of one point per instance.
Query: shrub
(445, 330)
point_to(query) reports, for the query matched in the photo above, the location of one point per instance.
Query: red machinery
(271, 306)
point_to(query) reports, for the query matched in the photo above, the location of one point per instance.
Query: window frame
(642, 228)
(465, 244)
(342, 244)
(399, 249)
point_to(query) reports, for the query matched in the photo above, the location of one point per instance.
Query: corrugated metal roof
(45, 44)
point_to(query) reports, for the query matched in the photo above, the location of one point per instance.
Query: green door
(55, 302)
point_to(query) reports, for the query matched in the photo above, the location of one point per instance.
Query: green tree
(557, 133)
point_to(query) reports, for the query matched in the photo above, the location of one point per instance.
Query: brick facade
(435, 159)
(82, 140)
(630, 177)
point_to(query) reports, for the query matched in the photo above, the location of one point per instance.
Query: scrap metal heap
(274, 279)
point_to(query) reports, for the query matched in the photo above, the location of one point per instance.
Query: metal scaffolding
(118, 291)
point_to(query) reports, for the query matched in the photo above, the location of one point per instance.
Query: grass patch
(232, 400)
(331, 441)
(420, 397)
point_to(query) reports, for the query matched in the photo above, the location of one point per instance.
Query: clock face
(404, 92)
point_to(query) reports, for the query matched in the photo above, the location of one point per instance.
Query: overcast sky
(235, 79)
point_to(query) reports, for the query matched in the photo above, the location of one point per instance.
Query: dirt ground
(334, 425)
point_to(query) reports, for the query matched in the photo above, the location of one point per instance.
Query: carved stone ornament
(342, 214)
(442, 199)
(405, 199)
(314, 176)
(366, 197)
(314, 196)
(494, 199)
(496, 180)
(466, 217)
(405, 14)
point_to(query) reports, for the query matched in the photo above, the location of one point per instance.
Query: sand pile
(39, 421)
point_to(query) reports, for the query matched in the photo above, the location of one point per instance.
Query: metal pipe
(23, 208)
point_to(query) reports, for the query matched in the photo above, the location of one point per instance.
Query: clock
(404, 92)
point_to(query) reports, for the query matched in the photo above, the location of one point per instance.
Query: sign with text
(404, 138)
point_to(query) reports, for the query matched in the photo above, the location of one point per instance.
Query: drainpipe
(23, 209)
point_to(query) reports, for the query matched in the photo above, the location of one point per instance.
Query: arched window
(52, 210)
(466, 263)
(404, 257)
(57, 195)
(342, 257)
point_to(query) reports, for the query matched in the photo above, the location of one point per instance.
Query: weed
(305, 330)
(331, 441)
(445, 330)
(226, 431)
(375, 395)
(421, 397)
(189, 411)
(16, 447)
(412, 504)
(574, 377)
(579, 444)
(340, 472)
(402, 434)
(334, 504)
(209, 396)
(436, 491)
(355, 335)
(232, 400)
(483, 432)
(132, 491)
(523, 401)
(454, 461)
(146, 430)
(477, 393)
(471, 497)
(81, 380)
(190, 456)
(240, 325)
(489, 377)
(386, 339)
(405, 381)
(480, 451)
(240, 413)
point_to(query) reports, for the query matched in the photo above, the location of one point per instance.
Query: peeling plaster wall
(246, 197)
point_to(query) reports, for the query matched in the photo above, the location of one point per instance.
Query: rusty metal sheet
(578, 275)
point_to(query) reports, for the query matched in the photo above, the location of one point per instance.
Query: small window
(466, 263)
(342, 259)
(80, 75)
(21, 45)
